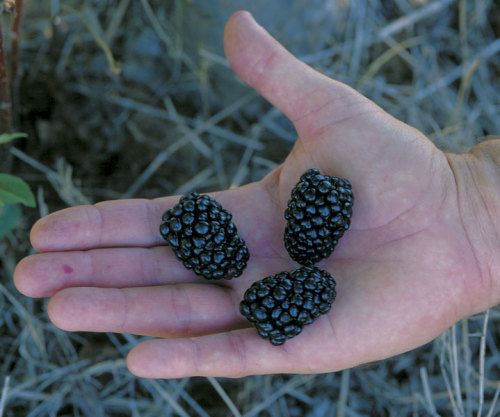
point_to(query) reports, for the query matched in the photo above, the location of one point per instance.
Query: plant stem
(5, 98)
(14, 58)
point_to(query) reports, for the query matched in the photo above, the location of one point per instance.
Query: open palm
(403, 269)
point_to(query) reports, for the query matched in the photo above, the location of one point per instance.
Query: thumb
(299, 91)
(338, 127)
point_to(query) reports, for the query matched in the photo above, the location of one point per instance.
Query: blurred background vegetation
(134, 98)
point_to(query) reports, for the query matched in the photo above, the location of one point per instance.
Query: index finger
(129, 223)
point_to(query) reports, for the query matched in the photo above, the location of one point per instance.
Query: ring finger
(177, 310)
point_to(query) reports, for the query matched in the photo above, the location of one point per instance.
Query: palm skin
(405, 271)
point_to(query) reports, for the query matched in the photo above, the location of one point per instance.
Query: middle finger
(43, 274)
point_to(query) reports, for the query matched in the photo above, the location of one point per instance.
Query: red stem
(5, 97)
(14, 56)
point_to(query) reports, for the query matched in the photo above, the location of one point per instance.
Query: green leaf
(14, 190)
(9, 218)
(7, 137)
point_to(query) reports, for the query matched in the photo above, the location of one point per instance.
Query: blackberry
(280, 306)
(204, 238)
(317, 216)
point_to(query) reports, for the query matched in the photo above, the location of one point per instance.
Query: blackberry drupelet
(279, 306)
(204, 238)
(317, 216)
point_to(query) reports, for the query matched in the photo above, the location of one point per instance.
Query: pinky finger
(233, 354)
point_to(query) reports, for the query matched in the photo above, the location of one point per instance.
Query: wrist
(477, 177)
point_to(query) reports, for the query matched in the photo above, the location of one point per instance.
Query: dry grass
(126, 98)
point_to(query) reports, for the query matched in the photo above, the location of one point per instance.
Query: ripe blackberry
(204, 238)
(280, 306)
(317, 215)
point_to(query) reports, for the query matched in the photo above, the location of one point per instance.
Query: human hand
(409, 267)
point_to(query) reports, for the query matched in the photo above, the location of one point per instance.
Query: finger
(307, 97)
(125, 223)
(166, 311)
(42, 275)
(136, 222)
(233, 354)
(341, 132)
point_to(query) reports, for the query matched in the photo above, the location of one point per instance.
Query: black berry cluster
(318, 214)
(280, 306)
(204, 238)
